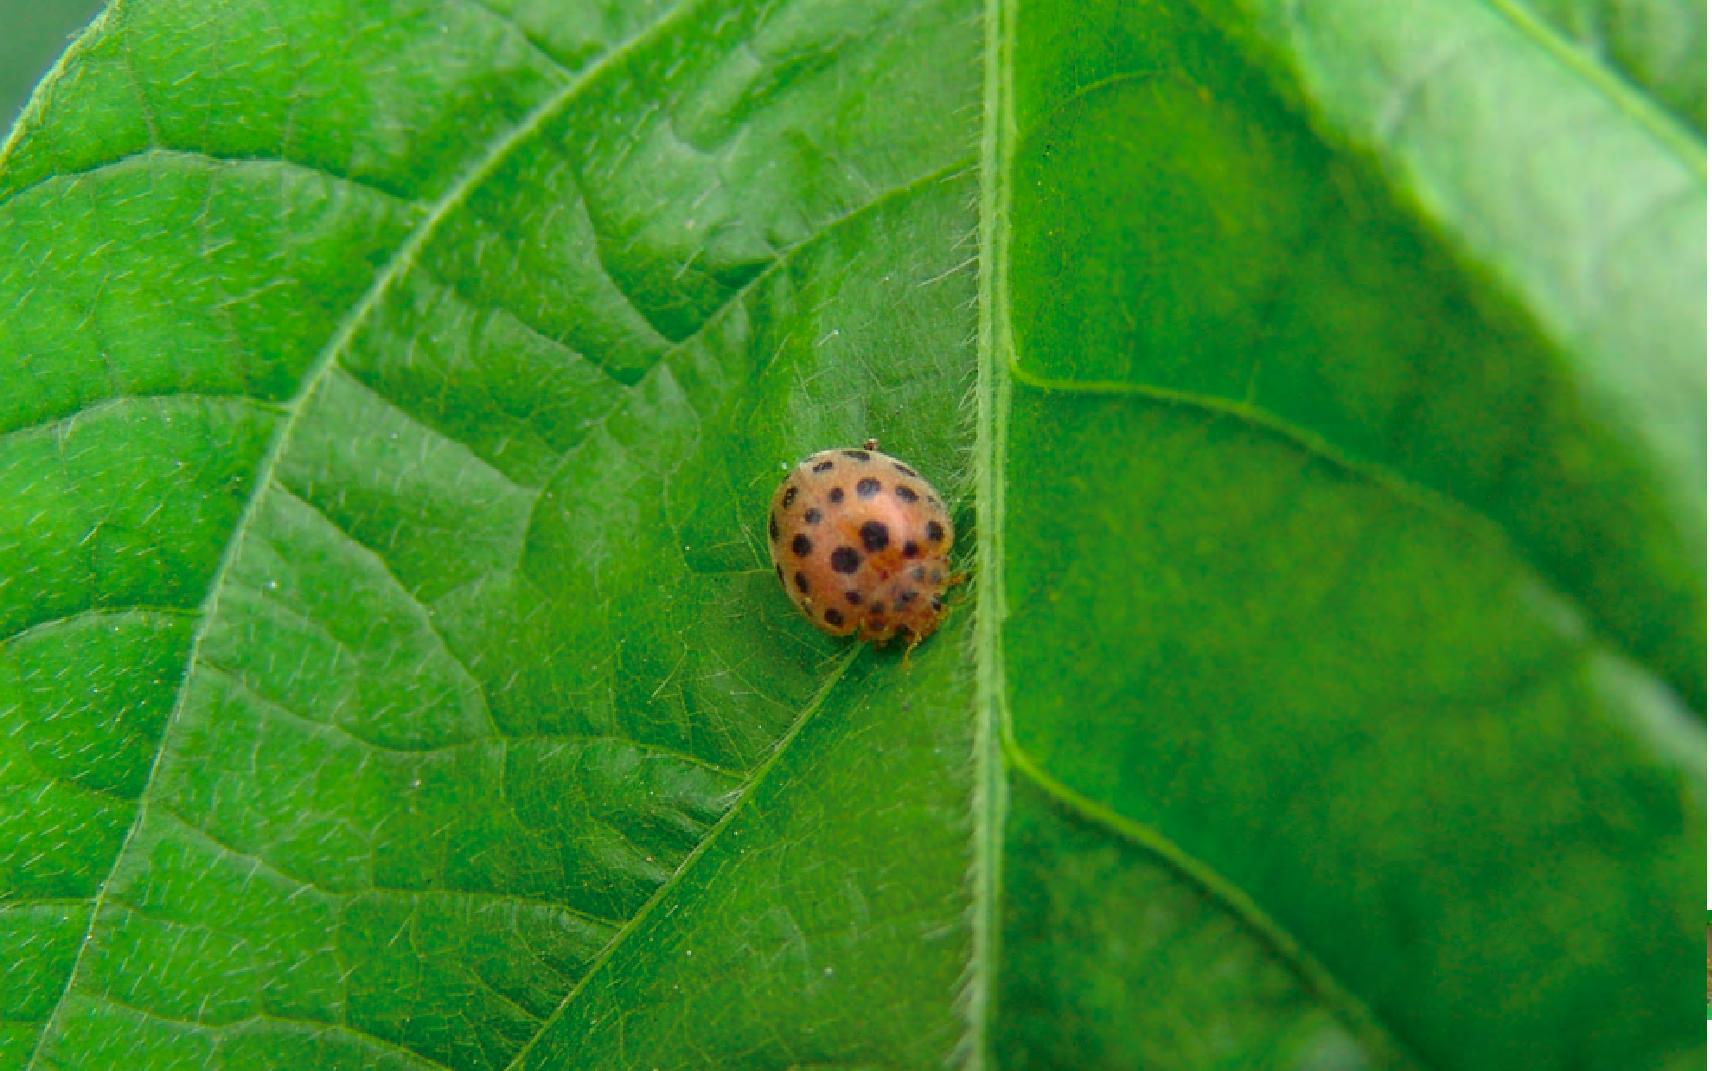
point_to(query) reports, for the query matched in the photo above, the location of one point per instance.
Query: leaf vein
(264, 1019)
(987, 801)
(214, 161)
(737, 805)
(425, 615)
(73, 616)
(1640, 107)
(1309, 971)
(517, 27)
(1452, 511)
(298, 881)
(62, 424)
(777, 264)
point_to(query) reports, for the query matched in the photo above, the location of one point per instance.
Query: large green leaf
(390, 391)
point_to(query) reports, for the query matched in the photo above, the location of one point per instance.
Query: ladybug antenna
(870, 444)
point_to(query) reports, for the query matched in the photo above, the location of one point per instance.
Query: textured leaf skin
(390, 673)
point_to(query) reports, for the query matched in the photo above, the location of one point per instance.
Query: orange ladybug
(861, 543)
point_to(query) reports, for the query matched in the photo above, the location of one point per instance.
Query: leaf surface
(392, 674)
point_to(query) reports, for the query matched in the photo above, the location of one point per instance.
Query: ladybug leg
(955, 580)
(914, 642)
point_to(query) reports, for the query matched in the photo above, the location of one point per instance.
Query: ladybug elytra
(862, 544)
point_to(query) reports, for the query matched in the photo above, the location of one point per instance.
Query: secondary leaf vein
(760, 776)
(1315, 977)
(1453, 512)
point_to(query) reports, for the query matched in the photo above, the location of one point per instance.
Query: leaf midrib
(988, 801)
(402, 260)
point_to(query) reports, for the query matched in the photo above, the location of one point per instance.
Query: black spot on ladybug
(867, 487)
(904, 599)
(854, 598)
(773, 528)
(835, 495)
(905, 492)
(935, 531)
(912, 550)
(802, 545)
(919, 572)
(905, 469)
(939, 576)
(811, 516)
(858, 455)
(845, 560)
(802, 583)
(937, 603)
(790, 496)
(823, 466)
(875, 536)
(834, 617)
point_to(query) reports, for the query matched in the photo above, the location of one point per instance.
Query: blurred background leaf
(32, 35)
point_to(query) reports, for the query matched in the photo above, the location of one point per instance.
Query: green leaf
(390, 670)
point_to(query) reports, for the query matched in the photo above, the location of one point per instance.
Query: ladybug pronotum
(862, 544)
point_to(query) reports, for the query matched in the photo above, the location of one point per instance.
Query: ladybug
(861, 543)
